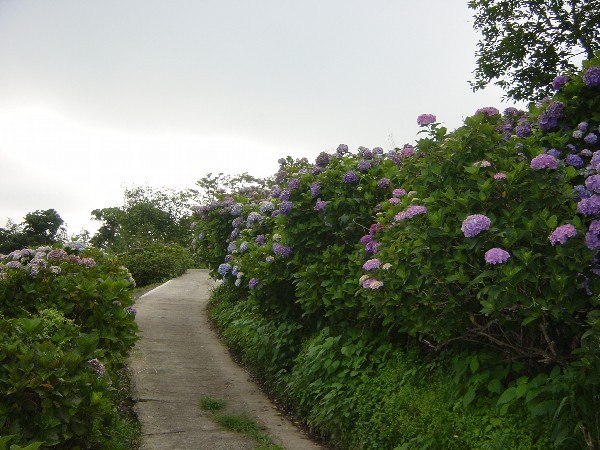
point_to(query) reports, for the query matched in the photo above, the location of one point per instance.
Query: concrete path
(179, 360)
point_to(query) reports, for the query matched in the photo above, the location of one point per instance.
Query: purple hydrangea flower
(13, 264)
(544, 161)
(276, 192)
(523, 129)
(375, 228)
(285, 208)
(131, 310)
(371, 283)
(253, 218)
(500, 176)
(384, 183)
(342, 149)
(593, 183)
(294, 183)
(583, 126)
(590, 139)
(589, 206)
(575, 161)
(591, 76)
(372, 247)
(281, 250)
(315, 188)
(511, 112)
(577, 134)
(266, 207)
(228, 258)
(425, 119)
(559, 82)
(88, 262)
(407, 151)
(366, 239)
(260, 240)
(475, 224)
(591, 237)
(372, 264)
(351, 177)
(97, 366)
(366, 153)
(224, 269)
(394, 201)
(320, 205)
(284, 196)
(496, 256)
(323, 159)
(412, 211)
(553, 152)
(595, 162)
(488, 111)
(57, 253)
(398, 192)
(243, 246)
(562, 233)
(363, 165)
(252, 283)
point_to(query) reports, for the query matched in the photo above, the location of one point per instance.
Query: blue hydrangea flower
(224, 269)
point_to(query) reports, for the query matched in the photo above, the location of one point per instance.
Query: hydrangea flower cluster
(561, 234)
(559, 82)
(544, 161)
(549, 118)
(281, 250)
(591, 76)
(315, 188)
(320, 205)
(97, 367)
(425, 119)
(488, 111)
(411, 211)
(592, 237)
(41, 259)
(475, 224)
(372, 264)
(351, 177)
(496, 256)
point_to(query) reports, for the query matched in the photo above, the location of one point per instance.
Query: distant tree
(213, 187)
(41, 227)
(147, 215)
(526, 43)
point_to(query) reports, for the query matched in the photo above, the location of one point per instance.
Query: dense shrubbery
(474, 252)
(154, 262)
(66, 325)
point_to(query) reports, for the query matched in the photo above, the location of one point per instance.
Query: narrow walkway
(179, 360)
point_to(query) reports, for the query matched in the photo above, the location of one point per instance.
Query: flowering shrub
(448, 244)
(66, 326)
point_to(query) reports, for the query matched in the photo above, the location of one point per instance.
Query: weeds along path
(179, 360)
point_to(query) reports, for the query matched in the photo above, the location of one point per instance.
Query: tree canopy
(40, 227)
(526, 43)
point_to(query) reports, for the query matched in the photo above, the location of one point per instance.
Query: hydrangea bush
(480, 240)
(66, 326)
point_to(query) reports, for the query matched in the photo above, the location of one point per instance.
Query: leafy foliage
(525, 42)
(66, 325)
(39, 228)
(156, 262)
(474, 250)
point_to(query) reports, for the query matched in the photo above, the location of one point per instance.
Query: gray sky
(99, 95)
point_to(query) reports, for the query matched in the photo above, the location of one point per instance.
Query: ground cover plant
(66, 325)
(456, 277)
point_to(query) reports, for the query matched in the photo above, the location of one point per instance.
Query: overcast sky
(96, 96)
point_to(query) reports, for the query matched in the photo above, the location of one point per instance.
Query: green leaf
(507, 396)
(469, 397)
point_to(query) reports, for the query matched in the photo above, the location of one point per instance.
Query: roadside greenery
(66, 326)
(444, 294)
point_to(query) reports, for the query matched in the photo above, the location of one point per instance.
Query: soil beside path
(180, 360)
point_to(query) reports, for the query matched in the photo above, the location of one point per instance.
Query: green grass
(211, 404)
(239, 423)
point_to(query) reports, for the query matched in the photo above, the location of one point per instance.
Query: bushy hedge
(475, 249)
(66, 326)
(154, 262)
